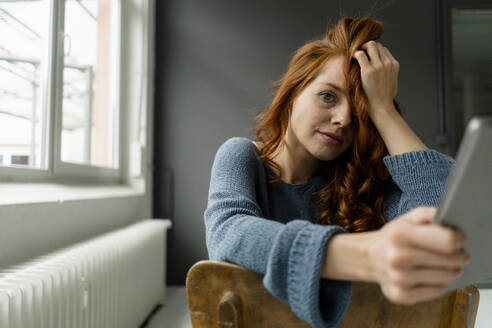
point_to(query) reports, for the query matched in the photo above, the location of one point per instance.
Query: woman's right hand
(414, 259)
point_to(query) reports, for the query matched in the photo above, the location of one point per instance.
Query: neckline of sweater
(308, 184)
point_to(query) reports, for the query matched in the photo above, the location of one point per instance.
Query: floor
(174, 312)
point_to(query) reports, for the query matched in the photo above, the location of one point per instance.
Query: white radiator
(114, 280)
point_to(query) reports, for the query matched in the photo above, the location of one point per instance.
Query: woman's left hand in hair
(379, 76)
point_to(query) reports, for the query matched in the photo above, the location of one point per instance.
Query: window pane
(472, 65)
(24, 27)
(89, 122)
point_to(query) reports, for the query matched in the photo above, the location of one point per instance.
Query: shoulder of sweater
(238, 141)
(237, 145)
(237, 148)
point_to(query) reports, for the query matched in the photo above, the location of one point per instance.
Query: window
(57, 198)
(466, 66)
(59, 103)
(89, 119)
(24, 42)
(471, 66)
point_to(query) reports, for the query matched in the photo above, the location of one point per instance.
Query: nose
(342, 115)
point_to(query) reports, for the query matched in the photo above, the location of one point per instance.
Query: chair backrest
(222, 294)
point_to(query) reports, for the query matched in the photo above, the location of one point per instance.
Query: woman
(336, 187)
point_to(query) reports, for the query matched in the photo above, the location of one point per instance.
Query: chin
(327, 158)
(325, 155)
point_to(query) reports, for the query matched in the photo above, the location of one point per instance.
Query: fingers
(390, 60)
(372, 49)
(417, 230)
(415, 277)
(383, 55)
(387, 54)
(421, 214)
(412, 295)
(361, 58)
(377, 54)
(436, 238)
(413, 258)
(432, 237)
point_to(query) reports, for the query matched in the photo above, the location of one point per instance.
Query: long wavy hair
(357, 181)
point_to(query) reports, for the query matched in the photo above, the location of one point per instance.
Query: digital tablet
(466, 203)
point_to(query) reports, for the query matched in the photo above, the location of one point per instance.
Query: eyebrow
(333, 86)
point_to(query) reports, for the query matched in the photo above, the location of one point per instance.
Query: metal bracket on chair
(229, 311)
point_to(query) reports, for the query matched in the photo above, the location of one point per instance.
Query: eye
(327, 97)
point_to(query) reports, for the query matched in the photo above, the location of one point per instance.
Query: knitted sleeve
(420, 177)
(289, 255)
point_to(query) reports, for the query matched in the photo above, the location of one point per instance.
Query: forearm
(398, 137)
(347, 258)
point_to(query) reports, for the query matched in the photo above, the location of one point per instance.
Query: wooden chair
(222, 294)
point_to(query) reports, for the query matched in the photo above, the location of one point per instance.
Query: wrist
(371, 255)
(347, 257)
(383, 108)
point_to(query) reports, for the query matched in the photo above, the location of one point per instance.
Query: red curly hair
(357, 181)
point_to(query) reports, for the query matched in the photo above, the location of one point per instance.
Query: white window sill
(17, 193)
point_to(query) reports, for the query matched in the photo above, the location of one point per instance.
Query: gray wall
(215, 63)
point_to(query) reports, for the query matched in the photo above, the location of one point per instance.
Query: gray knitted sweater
(272, 229)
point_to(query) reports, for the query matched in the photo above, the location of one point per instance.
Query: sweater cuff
(334, 299)
(304, 272)
(401, 163)
(420, 170)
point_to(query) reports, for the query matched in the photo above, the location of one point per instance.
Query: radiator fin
(113, 280)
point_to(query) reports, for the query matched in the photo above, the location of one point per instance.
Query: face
(319, 109)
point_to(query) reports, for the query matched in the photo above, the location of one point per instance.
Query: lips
(333, 135)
